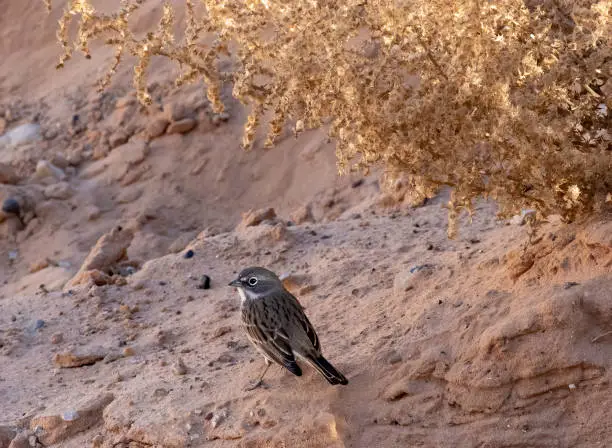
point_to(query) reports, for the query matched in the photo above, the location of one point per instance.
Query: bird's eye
(252, 281)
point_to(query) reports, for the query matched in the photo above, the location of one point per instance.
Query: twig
(601, 336)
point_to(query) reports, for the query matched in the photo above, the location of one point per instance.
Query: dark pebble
(11, 206)
(189, 254)
(39, 324)
(204, 282)
(357, 183)
(568, 285)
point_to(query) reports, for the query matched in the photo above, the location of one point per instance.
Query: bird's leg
(259, 381)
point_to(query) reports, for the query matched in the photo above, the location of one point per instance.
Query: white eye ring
(252, 281)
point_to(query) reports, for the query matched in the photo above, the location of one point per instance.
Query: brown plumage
(277, 326)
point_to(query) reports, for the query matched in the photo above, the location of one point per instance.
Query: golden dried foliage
(503, 99)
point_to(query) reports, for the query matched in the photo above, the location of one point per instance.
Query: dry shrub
(502, 99)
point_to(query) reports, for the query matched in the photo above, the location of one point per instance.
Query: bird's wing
(274, 343)
(295, 311)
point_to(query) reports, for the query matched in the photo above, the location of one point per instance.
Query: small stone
(118, 138)
(182, 126)
(179, 367)
(572, 386)
(568, 285)
(11, 206)
(60, 190)
(93, 212)
(204, 282)
(71, 360)
(357, 183)
(45, 169)
(57, 338)
(393, 357)
(175, 111)
(254, 218)
(189, 254)
(157, 127)
(225, 357)
(302, 215)
(39, 324)
(33, 441)
(221, 331)
(128, 351)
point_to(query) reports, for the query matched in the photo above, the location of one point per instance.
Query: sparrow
(275, 323)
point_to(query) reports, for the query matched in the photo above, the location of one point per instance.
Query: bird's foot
(254, 385)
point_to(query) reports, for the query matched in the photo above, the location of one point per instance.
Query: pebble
(568, 285)
(182, 126)
(204, 282)
(39, 324)
(189, 254)
(57, 338)
(179, 367)
(128, 351)
(157, 127)
(118, 138)
(45, 169)
(11, 206)
(69, 359)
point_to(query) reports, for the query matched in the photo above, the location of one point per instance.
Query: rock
(132, 153)
(204, 282)
(254, 218)
(297, 284)
(100, 151)
(109, 249)
(128, 196)
(57, 338)
(38, 265)
(11, 206)
(189, 254)
(118, 138)
(2, 129)
(175, 112)
(221, 331)
(302, 215)
(8, 174)
(179, 367)
(93, 212)
(26, 133)
(60, 190)
(45, 169)
(157, 127)
(182, 126)
(60, 161)
(6, 435)
(128, 351)
(61, 426)
(523, 218)
(70, 360)
(519, 262)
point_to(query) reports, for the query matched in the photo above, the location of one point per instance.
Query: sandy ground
(108, 339)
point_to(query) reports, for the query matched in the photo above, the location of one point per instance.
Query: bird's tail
(330, 373)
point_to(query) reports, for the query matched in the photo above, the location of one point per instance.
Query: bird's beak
(235, 283)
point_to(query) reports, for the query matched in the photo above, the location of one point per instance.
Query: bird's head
(256, 282)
